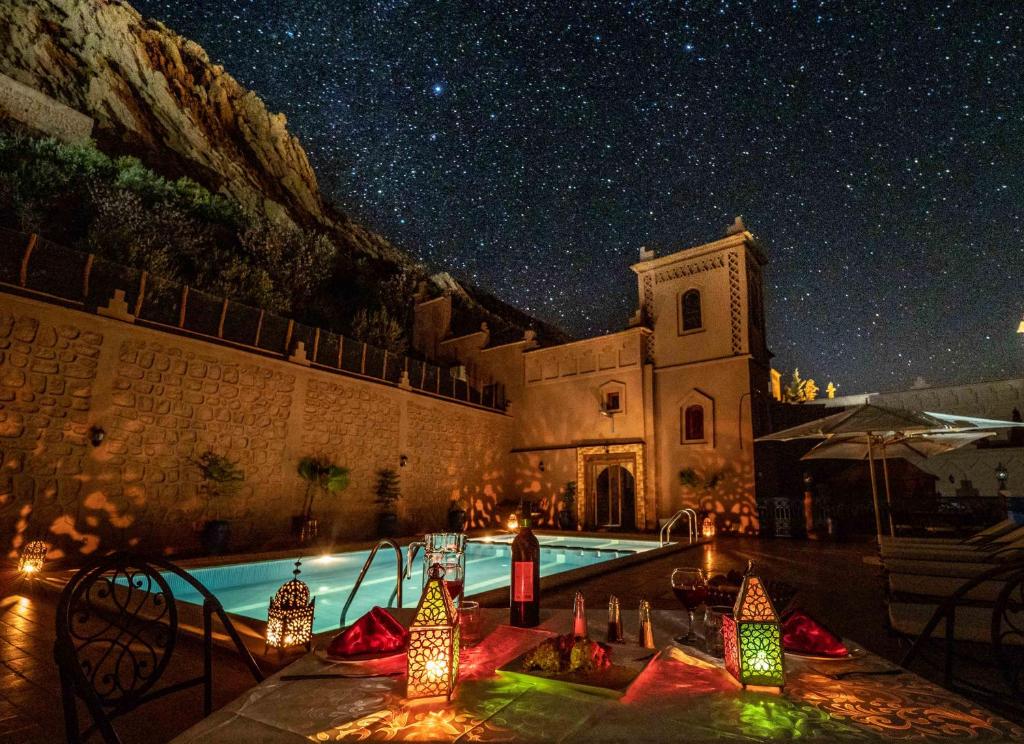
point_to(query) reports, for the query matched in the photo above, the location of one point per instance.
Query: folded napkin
(803, 634)
(376, 632)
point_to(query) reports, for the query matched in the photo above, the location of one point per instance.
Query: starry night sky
(532, 149)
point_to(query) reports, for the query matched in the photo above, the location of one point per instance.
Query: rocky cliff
(156, 94)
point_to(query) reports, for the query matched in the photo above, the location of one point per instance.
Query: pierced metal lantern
(33, 556)
(752, 637)
(433, 656)
(290, 615)
(708, 528)
(512, 525)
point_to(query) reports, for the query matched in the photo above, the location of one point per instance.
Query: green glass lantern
(752, 637)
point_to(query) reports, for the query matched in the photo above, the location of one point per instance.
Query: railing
(55, 273)
(665, 536)
(366, 567)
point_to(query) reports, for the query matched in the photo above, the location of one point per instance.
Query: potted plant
(388, 491)
(456, 515)
(221, 478)
(321, 475)
(567, 514)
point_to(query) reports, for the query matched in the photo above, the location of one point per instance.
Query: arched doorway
(615, 497)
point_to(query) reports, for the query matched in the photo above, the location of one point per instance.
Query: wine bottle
(524, 591)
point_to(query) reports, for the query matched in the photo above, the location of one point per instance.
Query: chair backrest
(117, 628)
(1007, 635)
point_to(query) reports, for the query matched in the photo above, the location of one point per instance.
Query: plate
(852, 654)
(322, 653)
(628, 661)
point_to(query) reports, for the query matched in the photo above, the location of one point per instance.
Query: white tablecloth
(679, 697)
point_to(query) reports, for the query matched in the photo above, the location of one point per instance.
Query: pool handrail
(665, 536)
(366, 567)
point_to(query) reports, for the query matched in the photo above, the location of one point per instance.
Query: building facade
(645, 421)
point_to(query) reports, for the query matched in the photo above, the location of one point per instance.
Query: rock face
(157, 95)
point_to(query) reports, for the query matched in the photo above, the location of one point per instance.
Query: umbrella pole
(874, 489)
(888, 493)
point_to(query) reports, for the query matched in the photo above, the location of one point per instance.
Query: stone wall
(162, 400)
(40, 112)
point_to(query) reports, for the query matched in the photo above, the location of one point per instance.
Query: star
(871, 151)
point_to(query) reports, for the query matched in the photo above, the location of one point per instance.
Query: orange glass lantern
(32, 558)
(290, 615)
(433, 656)
(752, 637)
(708, 528)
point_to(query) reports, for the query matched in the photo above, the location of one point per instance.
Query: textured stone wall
(357, 426)
(162, 400)
(47, 379)
(454, 455)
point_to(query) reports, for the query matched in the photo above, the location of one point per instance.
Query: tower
(709, 374)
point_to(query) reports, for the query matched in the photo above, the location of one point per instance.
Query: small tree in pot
(321, 475)
(567, 514)
(388, 491)
(221, 478)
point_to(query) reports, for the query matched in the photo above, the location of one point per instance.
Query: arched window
(693, 423)
(691, 315)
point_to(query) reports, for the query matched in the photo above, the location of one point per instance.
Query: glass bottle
(524, 590)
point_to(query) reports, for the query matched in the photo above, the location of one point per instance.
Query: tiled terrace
(836, 585)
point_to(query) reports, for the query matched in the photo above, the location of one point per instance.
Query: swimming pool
(245, 588)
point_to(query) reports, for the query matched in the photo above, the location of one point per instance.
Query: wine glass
(691, 588)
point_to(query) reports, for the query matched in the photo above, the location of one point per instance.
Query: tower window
(693, 423)
(612, 401)
(691, 314)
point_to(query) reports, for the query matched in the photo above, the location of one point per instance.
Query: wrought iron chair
(1005, 657)
(117, 627)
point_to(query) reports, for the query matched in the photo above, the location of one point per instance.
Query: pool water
(246, 588)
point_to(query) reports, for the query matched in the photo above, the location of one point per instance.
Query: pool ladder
(665, 537)
(401, 573)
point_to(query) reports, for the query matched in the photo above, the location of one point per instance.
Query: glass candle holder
(447, 550)
(713, 643)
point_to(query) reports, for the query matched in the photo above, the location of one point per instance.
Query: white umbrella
(860, 447)
(877, 426)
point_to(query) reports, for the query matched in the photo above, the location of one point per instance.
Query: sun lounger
(957, 552)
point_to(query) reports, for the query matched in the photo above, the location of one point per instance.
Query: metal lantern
(512, 525)
(752, 637)
(708, 528)
(433, 656)
(33, 556)
(290, 615)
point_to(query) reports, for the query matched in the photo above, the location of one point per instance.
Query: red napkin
(804, 635)
(376, 632)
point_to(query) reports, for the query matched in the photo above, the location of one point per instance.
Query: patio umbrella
(859, 447)
(879, 427)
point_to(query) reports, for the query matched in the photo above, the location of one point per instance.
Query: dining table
(681, 695)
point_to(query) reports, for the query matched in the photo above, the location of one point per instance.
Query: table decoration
(752, 638)
(376, 634)
(433, 655)
(447, 550)
(290, 614)
(802, 634)
(614, 620)
(33, 556)
(645, 636)
(708, 527)
(581, 664)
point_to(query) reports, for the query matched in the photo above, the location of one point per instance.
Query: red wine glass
(690, 586)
